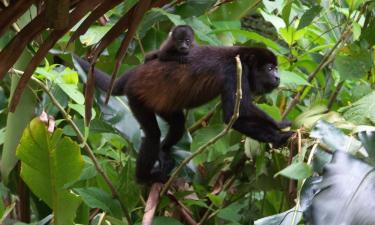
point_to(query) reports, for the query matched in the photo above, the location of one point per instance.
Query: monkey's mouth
(183, 50)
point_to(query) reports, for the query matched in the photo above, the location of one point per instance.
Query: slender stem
(202, 148)
(86, 147)
(204, 120)
(335, 94)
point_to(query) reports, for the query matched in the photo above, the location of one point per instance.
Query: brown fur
(164, 92)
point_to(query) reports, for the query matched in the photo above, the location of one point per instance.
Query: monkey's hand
(284, 124)
(284, 137)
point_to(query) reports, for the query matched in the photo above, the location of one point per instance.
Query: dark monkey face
(266, 78)
(183, 38)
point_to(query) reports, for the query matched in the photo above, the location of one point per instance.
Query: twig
(86, 147)
(152, 203)
(202, 148)
(334, 95)
(202, 122)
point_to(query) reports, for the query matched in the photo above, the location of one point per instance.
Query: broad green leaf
(361, 112)
(297, 171)
(97, 198)
(161, 220)
(354, 4)
(69, 76)
(271, 110)
(16, 122)
(175, 19)
(309, 16)
(73, 92)
(81, 110)
(202, 31)
(231, 212)
(291, 35)
(94, 34)
(253, 36)
(194, 8)
(355, 65)
(291, 78)
(234, 10)
(276, 21)
(356, 31)
(48, 162)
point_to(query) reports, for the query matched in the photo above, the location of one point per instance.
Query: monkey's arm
(151, 55)
(252, 121)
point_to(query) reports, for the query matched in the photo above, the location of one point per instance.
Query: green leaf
(73, 93)
(161, 220)
(290, 78)
(48, 162)
(355, 65)
(69, 76)
(97, 198)
(94, 34)
(81, 110)
(309, 16)
(362, 111)
(231, 212)
(16, 123)
(297, 171)
(356, 31)
(276, 21)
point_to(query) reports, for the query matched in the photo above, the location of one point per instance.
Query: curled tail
(102, 80)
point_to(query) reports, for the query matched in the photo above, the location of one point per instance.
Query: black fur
(166, 88)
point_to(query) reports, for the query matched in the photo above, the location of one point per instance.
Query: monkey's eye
(270, 68)
(187, 40)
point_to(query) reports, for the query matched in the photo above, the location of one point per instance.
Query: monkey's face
(265, 78)
(183, 39)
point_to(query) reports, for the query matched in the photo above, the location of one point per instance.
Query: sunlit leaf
(48, 162)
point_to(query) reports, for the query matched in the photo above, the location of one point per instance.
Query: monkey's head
(263, 72)
(183, 38)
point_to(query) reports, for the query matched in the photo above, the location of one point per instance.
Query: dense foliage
(79, 174)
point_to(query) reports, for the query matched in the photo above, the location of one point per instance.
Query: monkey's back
(170, 86)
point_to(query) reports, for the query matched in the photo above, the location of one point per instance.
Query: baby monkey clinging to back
(176, 47)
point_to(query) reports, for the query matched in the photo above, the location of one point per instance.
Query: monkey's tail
(102, 80)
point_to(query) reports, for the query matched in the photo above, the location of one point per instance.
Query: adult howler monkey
(176, 47)
(166, 88)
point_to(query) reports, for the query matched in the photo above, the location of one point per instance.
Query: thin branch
(86, 147)
(202, 148)
(335, 94)
(152, 203)
(202, 122)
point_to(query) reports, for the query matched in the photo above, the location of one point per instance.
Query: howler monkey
(166, 88)
(176, 47)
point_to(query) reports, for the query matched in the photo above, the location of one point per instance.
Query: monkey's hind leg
(176, 122)
(149, 150)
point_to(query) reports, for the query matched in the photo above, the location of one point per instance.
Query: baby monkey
(176, 47)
